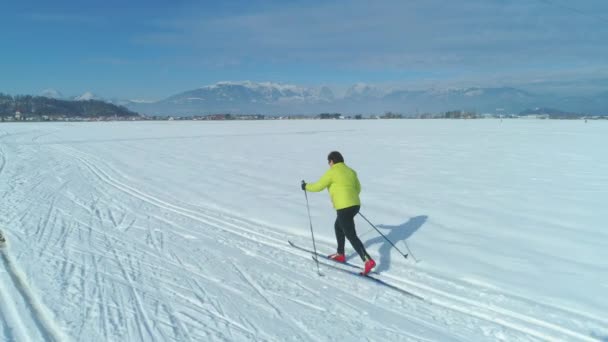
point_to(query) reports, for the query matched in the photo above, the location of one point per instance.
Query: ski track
(282, 314)
(27, 318)
(506, 318)
(24, 316)
(21, 314)
(142, 315)
(527, 325)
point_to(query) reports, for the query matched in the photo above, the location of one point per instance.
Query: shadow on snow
(395, 234)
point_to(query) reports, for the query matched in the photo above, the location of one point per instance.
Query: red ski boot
(369, 265)
(337, 257)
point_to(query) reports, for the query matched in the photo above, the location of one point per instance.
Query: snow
(177, 231)
(51, 93)
(87, 96)
(141, 101)
(474, 92)
(268, 86)
(270, 92)
(363, 89)
(264, 87)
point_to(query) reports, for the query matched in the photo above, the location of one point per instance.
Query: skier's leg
(339, 236)
(346, 218)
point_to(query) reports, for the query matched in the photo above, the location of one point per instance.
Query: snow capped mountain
(499, 92)
(242, 97)
(277, 99)
(251, 92)
(87, 96)
(364, 91)
(51, 93)
(472, 99)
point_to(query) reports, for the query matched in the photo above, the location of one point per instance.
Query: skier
(343, 185)
(2, 240)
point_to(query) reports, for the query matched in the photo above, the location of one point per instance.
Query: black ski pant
(345, 228)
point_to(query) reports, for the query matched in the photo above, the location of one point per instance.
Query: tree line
(27, 106)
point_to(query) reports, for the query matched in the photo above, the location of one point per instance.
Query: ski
(356, 270)
(321, 255)
(371, 278)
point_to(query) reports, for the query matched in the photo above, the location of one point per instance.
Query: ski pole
(389, 241)
(312, 232)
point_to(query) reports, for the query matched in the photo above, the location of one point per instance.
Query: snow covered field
(177, 231)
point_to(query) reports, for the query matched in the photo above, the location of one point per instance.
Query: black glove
(304, 185)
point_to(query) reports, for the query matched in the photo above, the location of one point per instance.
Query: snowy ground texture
(177, 231)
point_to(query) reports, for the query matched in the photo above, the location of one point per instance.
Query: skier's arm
(357, 185)
(321, 184)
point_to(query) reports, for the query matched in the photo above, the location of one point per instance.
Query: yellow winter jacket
(343, 185)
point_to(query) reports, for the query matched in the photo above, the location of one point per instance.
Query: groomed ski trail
(527, 325)
(545, 330)
(25, 317)
(193, 309)
(536, 327)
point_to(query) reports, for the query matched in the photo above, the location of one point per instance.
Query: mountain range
(280, 99)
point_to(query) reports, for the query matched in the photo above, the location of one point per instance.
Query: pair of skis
(354, 270)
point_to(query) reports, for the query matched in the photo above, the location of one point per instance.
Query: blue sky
(153, 49)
